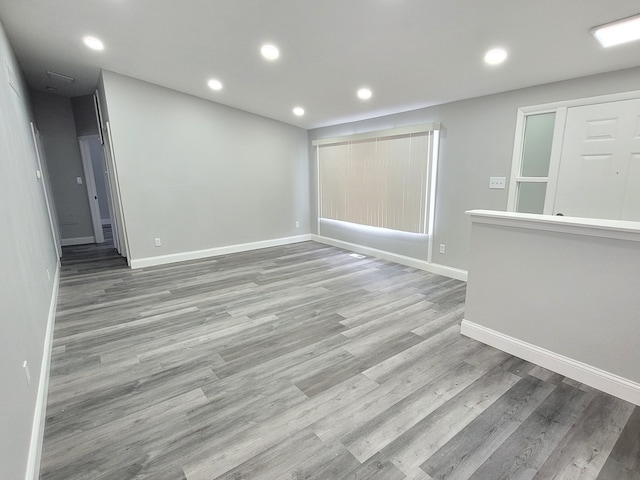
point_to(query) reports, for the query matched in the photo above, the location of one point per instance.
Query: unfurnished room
(331, 240)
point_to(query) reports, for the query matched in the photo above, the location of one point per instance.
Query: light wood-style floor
(303, 362)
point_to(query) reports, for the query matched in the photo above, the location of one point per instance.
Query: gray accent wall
(84, 114)
(28, 252)
(476, 143)
(200, 175)
(54, 117)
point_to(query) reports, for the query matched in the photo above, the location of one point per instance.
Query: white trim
(318, 195)
(432, 175)
(119, 203)
(592, 227)
(516, 161)
(436, 268)
(532, 179)
(554, 160)
(214, 252)
(78, 241)
(579, 102)
(53, 218)
(390, 132)
(39, 417)
(105, 221)
(602, 380)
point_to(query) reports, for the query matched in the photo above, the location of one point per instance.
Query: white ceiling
(411, 53)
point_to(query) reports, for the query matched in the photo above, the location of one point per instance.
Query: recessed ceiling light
(620, 31)
(214, 84)
(270, 52)
(495, 56)
(93, 43)
(364, 94)
(299, 111)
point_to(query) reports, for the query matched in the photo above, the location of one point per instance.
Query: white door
(90, 183)
(599, 175)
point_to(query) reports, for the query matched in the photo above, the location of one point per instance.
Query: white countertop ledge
(593, 227)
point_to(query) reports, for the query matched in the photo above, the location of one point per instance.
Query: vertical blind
(381, 181)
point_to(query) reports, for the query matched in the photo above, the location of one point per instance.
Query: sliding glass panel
(538, 137)
(531, 197)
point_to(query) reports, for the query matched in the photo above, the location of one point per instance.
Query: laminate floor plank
(627, 449)
(363, 442)
(584, 450)
(426, 437)
(529, 447)
(303, 362)
(461, 456)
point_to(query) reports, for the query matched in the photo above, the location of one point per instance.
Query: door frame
(90, 184)
(560, 108)
(43, 176)
(122, 243)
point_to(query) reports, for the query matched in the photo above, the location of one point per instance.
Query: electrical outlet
(497, 182)
(158, 242)
(79, 180)
(442, 248)
(27, 373)
(297, 224)
(48, 274)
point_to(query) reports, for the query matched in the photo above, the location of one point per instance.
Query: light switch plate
(497, 182)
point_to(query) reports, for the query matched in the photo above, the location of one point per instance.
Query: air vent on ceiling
(60, 77)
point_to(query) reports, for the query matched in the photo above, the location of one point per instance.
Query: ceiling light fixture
(364, 94)
(495, 56)
(93, 43)
(299, 111)
(270, 52)
(214, 84)
(618, 32)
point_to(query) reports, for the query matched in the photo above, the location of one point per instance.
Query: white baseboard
(450, 272)
(66, 242)
(40, 414)
(214, 252)
(594, 377)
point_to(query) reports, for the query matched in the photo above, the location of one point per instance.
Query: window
(381, 179)
(531, 183)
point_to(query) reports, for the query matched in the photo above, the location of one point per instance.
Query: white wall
(54, 117)
(200, 175)
(476, 143)
(26, 291)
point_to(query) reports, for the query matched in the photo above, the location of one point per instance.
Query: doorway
(98, 190)
(578, 158)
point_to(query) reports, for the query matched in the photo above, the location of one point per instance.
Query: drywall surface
(199, 175)
(412, 245)
(573, 292)
(476, 143)
(54, 117)
(28, 251)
